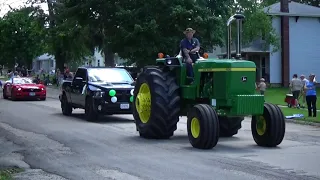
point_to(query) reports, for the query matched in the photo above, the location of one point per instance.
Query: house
(44, 62)
(47, 62)
(298, 25)
(96, 60)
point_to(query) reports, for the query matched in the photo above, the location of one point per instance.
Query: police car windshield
(109, 75)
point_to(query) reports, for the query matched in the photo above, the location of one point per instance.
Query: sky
(4, 5)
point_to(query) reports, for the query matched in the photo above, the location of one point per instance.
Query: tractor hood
(210, 65)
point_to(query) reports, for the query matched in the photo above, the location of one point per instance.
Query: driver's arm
(184, 49)
(197, 48)
(186, 52)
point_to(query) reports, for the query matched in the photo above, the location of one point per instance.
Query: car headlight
(131, 92)
(42, 89)
(98, 94)
(19, 89)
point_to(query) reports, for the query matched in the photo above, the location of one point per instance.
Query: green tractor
(222, 94)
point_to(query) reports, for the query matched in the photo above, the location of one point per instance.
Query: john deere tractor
(222, 94)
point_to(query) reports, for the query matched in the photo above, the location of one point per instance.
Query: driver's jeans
(189, 67)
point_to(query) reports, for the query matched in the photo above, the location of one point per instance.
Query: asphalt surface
(35, 135)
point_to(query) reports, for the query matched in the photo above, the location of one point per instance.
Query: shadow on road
(101, 120)
(225, 145)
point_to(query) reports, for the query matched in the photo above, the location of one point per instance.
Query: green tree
(315, 3)
(138, 30)
(257, 23)
(22, 36)
(68, 40)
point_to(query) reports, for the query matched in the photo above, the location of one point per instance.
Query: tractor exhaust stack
(239, 18)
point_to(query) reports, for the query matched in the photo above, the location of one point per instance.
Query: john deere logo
(244, 78)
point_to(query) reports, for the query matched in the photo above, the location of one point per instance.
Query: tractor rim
(195, 127)
(261, 125)
(143, 103)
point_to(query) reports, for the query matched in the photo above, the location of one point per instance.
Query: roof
(44, 57)
(295, 9)
(254, 47)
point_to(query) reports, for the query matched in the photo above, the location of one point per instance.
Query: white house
(298, 26)
(304, 41)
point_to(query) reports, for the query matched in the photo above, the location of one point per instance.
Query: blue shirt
(186, 44)
(312, 91)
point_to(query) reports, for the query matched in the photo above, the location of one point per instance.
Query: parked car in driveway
(99, 91)
(23, 88)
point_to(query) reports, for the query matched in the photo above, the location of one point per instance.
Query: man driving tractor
(189, 47)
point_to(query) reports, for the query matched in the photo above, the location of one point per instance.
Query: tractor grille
(247, 105)
(31, 90)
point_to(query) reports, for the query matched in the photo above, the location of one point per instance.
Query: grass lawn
(277, 96)
(290, 111)
(5, 176)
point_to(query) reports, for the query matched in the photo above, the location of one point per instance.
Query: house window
(51, 63)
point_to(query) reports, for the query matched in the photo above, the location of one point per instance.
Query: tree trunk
(108, 57)
(60, 59)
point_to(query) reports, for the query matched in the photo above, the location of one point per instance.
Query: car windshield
(109, 75)
(22, 81)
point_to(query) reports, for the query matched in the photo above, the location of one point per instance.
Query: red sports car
(23, 88)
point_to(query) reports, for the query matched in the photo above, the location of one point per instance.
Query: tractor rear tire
(229, 126)
(203, 127)
(156, 104)
(268, 130)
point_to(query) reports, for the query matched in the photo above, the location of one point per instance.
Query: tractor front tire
(203, 127)
(156, 104)
(268, 130)
(229, 126)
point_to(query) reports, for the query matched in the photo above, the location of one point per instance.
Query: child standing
(262, 86)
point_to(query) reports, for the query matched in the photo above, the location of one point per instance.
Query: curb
(302, 122)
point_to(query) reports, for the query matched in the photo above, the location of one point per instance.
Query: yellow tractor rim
(195, 127)
(143, 103)
(261, 125)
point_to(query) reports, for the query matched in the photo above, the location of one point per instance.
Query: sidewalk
(282, 106)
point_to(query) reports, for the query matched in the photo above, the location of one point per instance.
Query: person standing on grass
(262, 86)
(296, 86)
(303, 92)
(311, 96)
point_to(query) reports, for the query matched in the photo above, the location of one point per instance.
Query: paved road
(35, 135)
